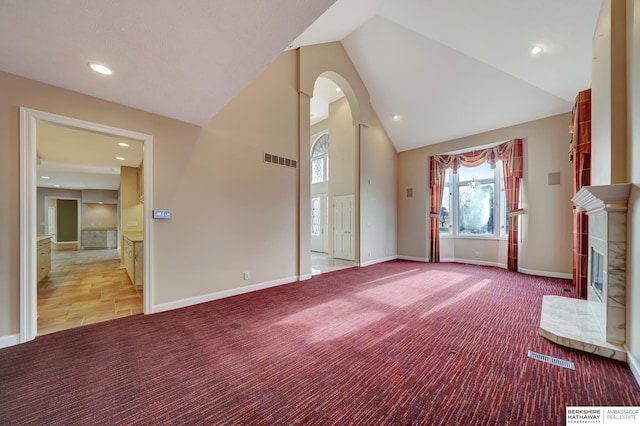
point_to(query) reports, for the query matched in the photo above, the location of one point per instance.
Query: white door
(319, 223)
(344, 227)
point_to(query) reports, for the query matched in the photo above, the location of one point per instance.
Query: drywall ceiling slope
(438, 92)
(183, 60)
(452, 68)
(502, 32)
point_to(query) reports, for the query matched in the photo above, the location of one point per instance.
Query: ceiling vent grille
(281, 161)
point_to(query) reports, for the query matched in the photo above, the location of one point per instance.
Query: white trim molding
(546, 273)
(413, 259)
(634, 365)
(381, 260)
(10, 340)
(473, 262)
(28, 206)
(183, 303)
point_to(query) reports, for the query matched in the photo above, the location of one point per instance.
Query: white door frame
(28, 210)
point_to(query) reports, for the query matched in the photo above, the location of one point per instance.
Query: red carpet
(395, 343)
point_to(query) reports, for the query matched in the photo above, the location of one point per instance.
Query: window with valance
(509, 154)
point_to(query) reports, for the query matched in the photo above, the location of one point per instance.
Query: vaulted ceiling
(446, 68)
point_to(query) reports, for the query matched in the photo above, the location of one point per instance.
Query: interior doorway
(333, 171)
(33, 218)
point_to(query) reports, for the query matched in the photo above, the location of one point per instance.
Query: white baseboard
(413, 259)
(10, 340)
(183, 303)
(305, 277)
(546, 273)
(474, 262)
(634, 365)
(373, 262)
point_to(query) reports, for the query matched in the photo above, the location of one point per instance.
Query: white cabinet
(99, 238)
(134, 260)
(43, 249)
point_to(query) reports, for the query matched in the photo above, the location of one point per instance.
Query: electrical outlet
(246, 276)
(477, 254)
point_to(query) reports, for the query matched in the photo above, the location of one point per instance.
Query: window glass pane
(317, 171)
(320, 146)
(483, 171)
(315, 216)
(475, 209)
(445, 211)
(445, 208)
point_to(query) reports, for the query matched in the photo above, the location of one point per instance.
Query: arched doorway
(333, 192)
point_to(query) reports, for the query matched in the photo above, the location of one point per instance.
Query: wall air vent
(281, 161)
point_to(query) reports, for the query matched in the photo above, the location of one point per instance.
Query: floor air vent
(551, 360)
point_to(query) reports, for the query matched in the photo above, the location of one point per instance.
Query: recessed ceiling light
(44, 177)
(56, 186)
(120, 158)
(536, 50)
(338, 89)
(396, 117)
(123, 144)
(100, 69)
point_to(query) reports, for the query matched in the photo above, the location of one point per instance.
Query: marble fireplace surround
(598, 324)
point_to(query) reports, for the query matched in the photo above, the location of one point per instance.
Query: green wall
(67, 220)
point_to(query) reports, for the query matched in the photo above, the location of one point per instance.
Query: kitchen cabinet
(99, 238)
(43, 249)
(141, 183)
(134, 259)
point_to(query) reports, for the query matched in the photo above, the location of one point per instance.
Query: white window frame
(324, 158)
(499, 208)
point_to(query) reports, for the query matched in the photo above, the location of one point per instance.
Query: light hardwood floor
(84, 287)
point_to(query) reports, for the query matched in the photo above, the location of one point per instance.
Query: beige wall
(633, 217)
(231, 212)
(546, 226)
(342, 151)
(99, 215)
(609, 96)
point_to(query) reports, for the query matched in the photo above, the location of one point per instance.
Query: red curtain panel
(580, 156)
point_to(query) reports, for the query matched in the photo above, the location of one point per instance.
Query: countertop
(100, 228)
(42, 237)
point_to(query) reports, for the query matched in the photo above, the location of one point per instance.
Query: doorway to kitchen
(33, 214)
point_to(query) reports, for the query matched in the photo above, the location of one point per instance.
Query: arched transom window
(320, 159)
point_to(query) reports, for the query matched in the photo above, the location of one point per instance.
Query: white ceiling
(181, 59)
(77, 159)
(325, 91)
(448, 68)
(452, 68)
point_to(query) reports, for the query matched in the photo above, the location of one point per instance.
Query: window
(315, 216)
(320, 159)
(473, 202)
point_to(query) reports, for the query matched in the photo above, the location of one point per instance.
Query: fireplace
(598, 324)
